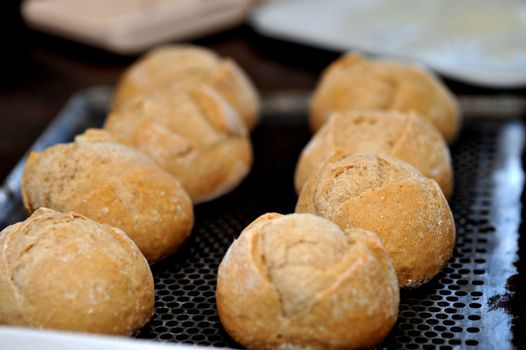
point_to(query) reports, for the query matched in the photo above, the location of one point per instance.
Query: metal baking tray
(473, 303)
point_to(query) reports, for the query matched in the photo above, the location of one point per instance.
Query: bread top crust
(186, 67)
(194, 118)
(92, 272)
(356, 83)
(404, 136)
(303, 275)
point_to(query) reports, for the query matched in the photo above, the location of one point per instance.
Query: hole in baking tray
(430, 334)
(420, 340)
(193, 330)
(438, 341)
(182, 337)
(432, 321)
(439, 328)
(403, 339)
(198, 337)
(472, 342)
(423, 327)
(454, 341)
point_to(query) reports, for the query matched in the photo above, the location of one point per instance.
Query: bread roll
(357, 83)
(405, 136)
(299, 282)
(391, 198)
(108, 182)
(193, 135)
(67, 272)
(181, 67)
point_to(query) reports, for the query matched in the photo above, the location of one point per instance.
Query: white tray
(481, 42)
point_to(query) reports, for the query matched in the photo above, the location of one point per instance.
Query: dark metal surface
(472, 303)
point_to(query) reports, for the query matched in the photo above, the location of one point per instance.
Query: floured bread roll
(405, 136)
(356, 83)
(111, 183)
(181, 67)
(193, 135)
(384, 195)
(299, 282)
(67, 272)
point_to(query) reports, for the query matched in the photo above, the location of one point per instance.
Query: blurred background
(54, 48)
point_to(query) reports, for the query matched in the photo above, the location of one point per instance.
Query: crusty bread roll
(405, 136)
(67, 272)
(193, 135)
(299, 282)
(391, 198)
(357, 83)
(108, 182)
(181, 67)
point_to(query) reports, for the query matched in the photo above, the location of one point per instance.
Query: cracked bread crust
(404, 136)
(408, 212)
(298, 280)
(183, 67)
(193, 135)
(111, 183)
(357, 83)
(67, 272)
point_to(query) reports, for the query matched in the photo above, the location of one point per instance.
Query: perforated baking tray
(474, 303)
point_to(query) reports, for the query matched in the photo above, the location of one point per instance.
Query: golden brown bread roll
(108, 182)
(356, 83)
(181, 67)
(193, 135)
(404, 136)
(299, 282)
(407, 211)
(67, 272)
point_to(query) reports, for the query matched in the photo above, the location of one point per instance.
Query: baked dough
(180, 67)
(108, 182)
(404, 136)
(299, 282)
(67, 272)
(407, 211)
(194, 135)
(356, 83)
